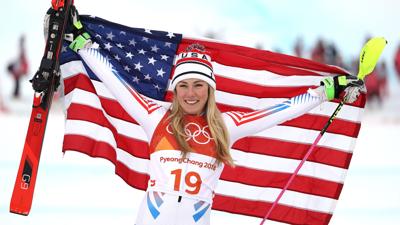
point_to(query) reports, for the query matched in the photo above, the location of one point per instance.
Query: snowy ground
(76, 189)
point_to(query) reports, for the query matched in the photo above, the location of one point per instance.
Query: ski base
(21, 200)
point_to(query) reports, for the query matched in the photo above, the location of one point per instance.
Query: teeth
(191, 102)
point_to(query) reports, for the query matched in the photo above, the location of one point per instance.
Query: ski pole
(368, 59)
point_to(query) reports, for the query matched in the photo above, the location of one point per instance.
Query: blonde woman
(190, 141)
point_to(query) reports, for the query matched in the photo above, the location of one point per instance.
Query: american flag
(247, 79)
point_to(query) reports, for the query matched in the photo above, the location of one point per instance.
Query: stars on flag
(168, 44)
(160, 72)
(141, 51)
(119, 45)
(129, 55)
(143, 57)
(136, 79)
(170, 35)
(157, 87)
(132, 42)
(152, 60)
(108, 46)
(110, 36)
(164, 57)
(147, 77)
(117, 58)
(154, 48)
(138, 66)
(126, 68)
(64, 48)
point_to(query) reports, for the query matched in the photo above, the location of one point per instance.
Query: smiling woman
(194, 86)
(192, 78)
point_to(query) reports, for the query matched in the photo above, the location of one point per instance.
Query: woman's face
(192, 95)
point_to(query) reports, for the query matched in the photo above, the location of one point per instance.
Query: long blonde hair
(215, 123)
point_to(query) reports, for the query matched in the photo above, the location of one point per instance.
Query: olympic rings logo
(197, 134)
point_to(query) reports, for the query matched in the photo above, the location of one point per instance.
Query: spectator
(383, 74)
(397, 61)
(19, 67)
(3, 108)
(318, 53)
(299, 47)
(377, 84)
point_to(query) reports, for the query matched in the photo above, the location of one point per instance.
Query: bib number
(192, 181)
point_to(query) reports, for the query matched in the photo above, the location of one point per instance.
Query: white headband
(193, 65)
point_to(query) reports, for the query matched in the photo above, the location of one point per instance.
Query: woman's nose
(190, 91)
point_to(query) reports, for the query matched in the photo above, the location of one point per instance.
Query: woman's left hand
(353, 89)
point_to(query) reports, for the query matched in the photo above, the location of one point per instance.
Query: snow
(76, 189)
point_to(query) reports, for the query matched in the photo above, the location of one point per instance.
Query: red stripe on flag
(281, 213)
(303, 184)
(89, 146)
(293, 150)
(79, 81)
(131, 177)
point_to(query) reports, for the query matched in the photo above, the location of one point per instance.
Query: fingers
(351, 94)
(355, 83)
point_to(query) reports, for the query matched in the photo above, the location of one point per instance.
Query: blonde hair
(215, 123)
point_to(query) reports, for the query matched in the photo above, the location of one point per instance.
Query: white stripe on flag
(133, 163)
(72, 68)
(264, 78)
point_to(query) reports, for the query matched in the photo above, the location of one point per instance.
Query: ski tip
(19, 209)
(19, 212)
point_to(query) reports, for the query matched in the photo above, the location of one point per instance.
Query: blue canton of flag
(144, 58)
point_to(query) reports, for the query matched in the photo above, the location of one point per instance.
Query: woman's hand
(351, 86)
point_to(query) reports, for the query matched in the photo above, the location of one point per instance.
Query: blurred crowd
(328, 53)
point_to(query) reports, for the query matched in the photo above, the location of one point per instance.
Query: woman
(190, 141)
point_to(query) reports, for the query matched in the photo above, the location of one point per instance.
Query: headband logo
(194, 55)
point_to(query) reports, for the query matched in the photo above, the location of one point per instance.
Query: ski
(44, 82)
